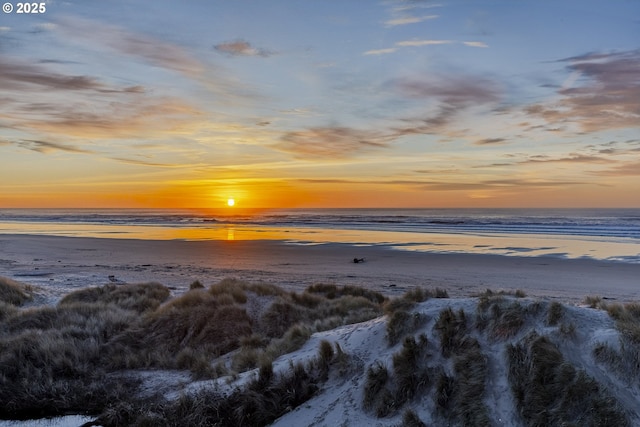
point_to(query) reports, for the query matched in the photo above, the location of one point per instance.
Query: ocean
(605, 234)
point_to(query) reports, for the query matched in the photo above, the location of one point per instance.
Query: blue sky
(321, 103)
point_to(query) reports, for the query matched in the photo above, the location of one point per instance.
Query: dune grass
(624, 361)
(551, 391)
(14, 292)
(61, 359)
(259, 403)
(53, 359)
(138, 297)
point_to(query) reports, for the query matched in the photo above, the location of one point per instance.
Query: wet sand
(61, 264)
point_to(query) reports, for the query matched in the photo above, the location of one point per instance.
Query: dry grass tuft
(502, 317)
(401, 323)
(411, 297)
(14, 292)
(452, 330)
(376, 394)
(50, 359)
(409, 367)
(593, 301)
(555, 313)
(550, 391)
(138, 297)
(259, 403)
(411, 419)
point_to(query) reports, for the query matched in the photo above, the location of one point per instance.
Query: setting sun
(231, 202)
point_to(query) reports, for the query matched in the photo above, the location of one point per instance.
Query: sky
(321, 103)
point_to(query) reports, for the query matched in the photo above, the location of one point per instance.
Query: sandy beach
(61, 264)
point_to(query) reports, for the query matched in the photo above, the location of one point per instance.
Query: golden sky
(321, 104)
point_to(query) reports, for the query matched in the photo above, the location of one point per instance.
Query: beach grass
(53, 357)
(14, 292)
(82, 354)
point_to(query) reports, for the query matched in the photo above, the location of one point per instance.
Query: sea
(603, 234)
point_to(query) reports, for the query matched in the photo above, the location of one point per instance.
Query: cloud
(607, 98)
(457, 90)
(240, 48)
(22, 76)
(449, 97)
(147, 117)
(330, 142)
(417, 43)
(145, 163)
(409, 20)
(48, 147)
(152, 50)
(490, 141)
(380, 51)
(475, 44)
(627, 169)
(497, 184)
(577, 158)
(443, 185)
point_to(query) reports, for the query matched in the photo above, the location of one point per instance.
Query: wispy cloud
(574, 158)
(241, 48)
(491, 141)
(152, 117)
(449, 96)
(626, 169)
(48, 147)
(608, 98)
(422, 43)
(476, 44)
(380, 51)
(405, 20)
(330, 142)
(21, 76)
(152, 50)
(418, 43)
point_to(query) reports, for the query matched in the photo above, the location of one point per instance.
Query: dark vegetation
(262, 401)
(14, 293)
(624, 359)
(73, 357)
(547, 389)
(551, 391)
(57, 359)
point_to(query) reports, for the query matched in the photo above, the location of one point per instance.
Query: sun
(231, 202)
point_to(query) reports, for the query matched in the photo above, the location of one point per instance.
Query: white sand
(61, 264)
